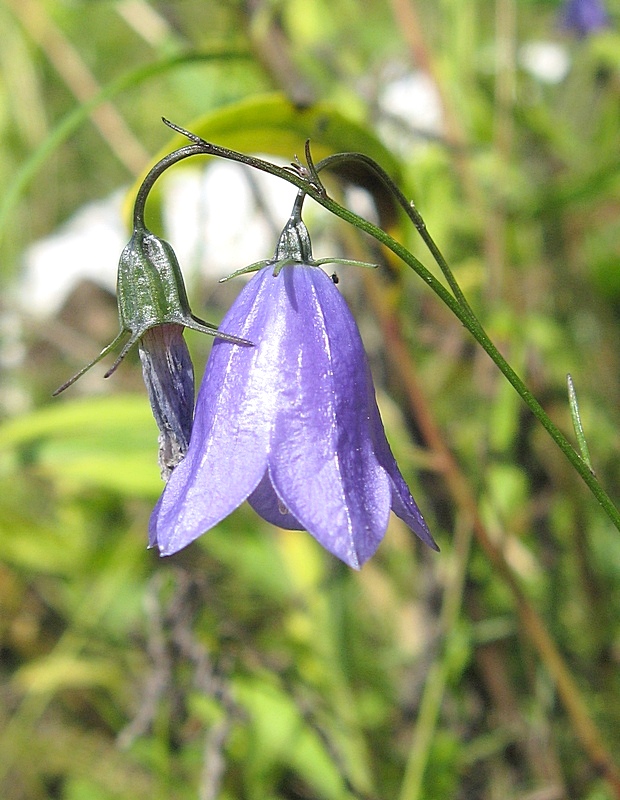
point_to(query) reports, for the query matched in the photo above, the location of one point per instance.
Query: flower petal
(265, 501)
(227, 455)
(291, 424)
(403, 504)
(169, 379)
(322, 462)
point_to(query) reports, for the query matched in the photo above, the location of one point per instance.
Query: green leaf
(576, 417)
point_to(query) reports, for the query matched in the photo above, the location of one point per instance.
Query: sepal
(150, 292)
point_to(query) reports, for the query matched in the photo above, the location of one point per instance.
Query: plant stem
(456, 302)
(460, 489)
(411, 211)
(154, 173)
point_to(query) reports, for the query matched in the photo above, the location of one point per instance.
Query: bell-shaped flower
(291, 424)
(584, 17)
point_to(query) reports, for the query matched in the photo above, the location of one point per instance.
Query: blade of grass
(72, 121)
(576, 417)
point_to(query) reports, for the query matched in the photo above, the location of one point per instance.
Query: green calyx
(150, 292)
(294, 247)
(150, 286)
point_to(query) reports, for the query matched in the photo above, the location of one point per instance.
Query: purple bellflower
(291, 424)
(584, 17)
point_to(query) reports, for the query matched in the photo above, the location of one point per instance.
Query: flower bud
(153, 310)
(169, 379)
(150, 292)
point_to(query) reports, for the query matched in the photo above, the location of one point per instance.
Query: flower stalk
(307, 180)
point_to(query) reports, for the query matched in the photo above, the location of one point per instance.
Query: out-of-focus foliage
(252, 665)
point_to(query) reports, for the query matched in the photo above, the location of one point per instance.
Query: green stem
(410, 210)
(154, 173)
(477, 331)
(457, 303)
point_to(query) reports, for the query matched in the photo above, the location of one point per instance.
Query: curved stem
(477, 331)
(464, 498)
(475, 328)
(410, 210)
(457, 303)
(154, 173)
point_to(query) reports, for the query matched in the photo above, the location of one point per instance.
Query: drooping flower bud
(153, 310)
(169, 379)
(150, 292)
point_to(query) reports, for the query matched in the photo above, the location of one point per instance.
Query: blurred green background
(252, 664)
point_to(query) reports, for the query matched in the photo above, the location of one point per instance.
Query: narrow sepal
(101, 355)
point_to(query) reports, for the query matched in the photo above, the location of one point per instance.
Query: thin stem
(410, 210)
(464, 498)
(477, 331)
(456, 303)
(293, 174)
(154, 174)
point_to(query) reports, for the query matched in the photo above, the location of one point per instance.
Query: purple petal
(322, 461)
(265, 501)
(291, 424)
(169, 378)
(227, 456)
(403, 504)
